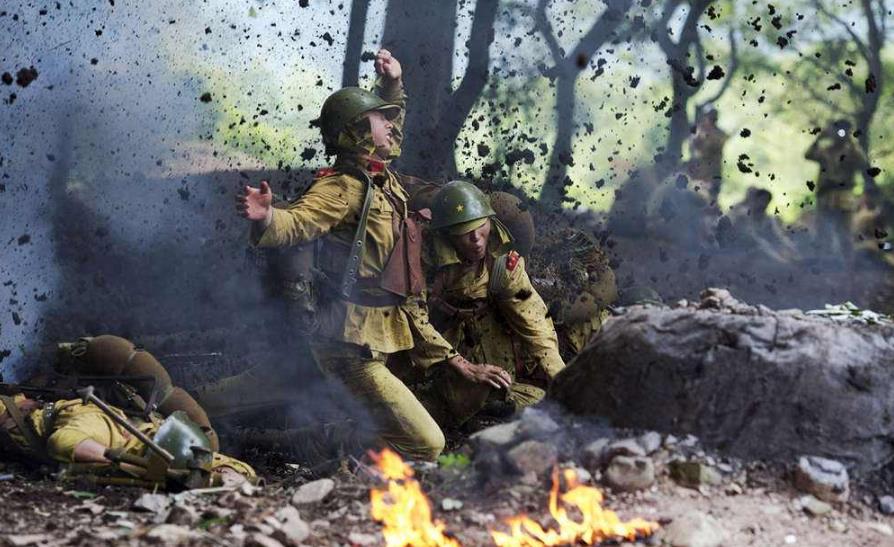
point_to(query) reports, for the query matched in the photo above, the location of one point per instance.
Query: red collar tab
(512, 260)
(325, 172)
(375, 166)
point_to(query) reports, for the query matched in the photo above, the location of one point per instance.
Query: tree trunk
(421, 34)
(350, 73)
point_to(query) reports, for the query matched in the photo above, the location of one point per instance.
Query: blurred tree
(565, 71)
(422, 35)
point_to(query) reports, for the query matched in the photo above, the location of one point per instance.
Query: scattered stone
(23, 540)
(838, 526)
(356, 538)
(583, 476)
(450, 504)
(630, 473)
(594, 453)
(260, 540)
(183, 514)
(650, 441)
(694, 474)
(497, 436)
(169, 534)
(813, 506)
(733, 489)
(151, 503)
(313, 492)
(886, 505)
(624, 447)
(790, 539)
(292, 529)
(824, 478)
(532, 457)
(694, 529)
(536, 424)
(880, 527)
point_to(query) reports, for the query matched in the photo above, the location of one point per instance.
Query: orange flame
(405, 513)
(402, 507)
(596, 524)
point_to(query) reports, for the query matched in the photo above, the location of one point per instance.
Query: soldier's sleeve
(429, 346)
(393, 92)
(525, 312)
(325, 205)
(219, 461)
(63, 441)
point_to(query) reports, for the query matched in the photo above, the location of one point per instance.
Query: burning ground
(695, 496)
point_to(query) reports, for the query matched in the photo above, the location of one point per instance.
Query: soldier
(483, 303)
(371, 301)
(72, 431)
(707, 153)
(840, 158)
(749, 226)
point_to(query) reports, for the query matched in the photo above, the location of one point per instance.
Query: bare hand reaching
(481, 374)
(388, 66)
(256, 203)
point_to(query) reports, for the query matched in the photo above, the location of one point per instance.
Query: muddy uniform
(58, 428)
(490, 313)
(707, 159)
(356, 334)
(840, 159)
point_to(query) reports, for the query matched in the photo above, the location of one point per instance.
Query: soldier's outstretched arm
(324, 206)
(527, 315)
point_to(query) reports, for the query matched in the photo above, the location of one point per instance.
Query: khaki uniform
(354, 340)
(72, 422)
(707, 159)
(498, 321)
(840, 160)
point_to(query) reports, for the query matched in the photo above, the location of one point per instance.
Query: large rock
(757, 383)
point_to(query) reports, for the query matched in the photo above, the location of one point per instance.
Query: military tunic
(499, 321)
(355, 340)
(74, 422)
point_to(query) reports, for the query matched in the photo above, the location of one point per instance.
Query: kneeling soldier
(483, 303)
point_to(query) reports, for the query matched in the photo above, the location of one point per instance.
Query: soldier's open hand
(481, 373)
(388, 66)
(256, 203)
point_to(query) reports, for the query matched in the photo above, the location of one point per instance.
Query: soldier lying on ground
(69, 431)
(483, 303)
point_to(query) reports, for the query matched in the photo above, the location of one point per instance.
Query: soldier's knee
(430, 445)
(436, 444)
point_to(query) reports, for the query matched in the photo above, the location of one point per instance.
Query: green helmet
(345, 106)
(460, 207)
(178, 435)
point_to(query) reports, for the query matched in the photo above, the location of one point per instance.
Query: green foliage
(454, 461)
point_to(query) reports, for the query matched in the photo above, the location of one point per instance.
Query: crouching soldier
(483, 303)
(102, 442)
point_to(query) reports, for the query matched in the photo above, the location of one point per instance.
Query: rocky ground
(699, 498)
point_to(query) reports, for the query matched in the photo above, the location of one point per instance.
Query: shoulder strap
(358, 246)
(496, 274)
(34, 443)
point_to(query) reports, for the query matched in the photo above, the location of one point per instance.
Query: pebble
(313, 492)
(630, 473)
(886, 505)
(694, 529)
(824, 478)
(292, 529)
(532, 457)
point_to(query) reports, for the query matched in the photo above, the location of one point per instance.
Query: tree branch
(730, 70)
(847, 27)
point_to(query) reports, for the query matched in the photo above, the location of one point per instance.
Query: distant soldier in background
(840, 159)
(706, 148)
(748, 226)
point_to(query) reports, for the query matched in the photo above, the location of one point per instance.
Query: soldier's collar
(371, 166)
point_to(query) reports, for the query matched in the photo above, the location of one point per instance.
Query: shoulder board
(325, 172)
(512, 260)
